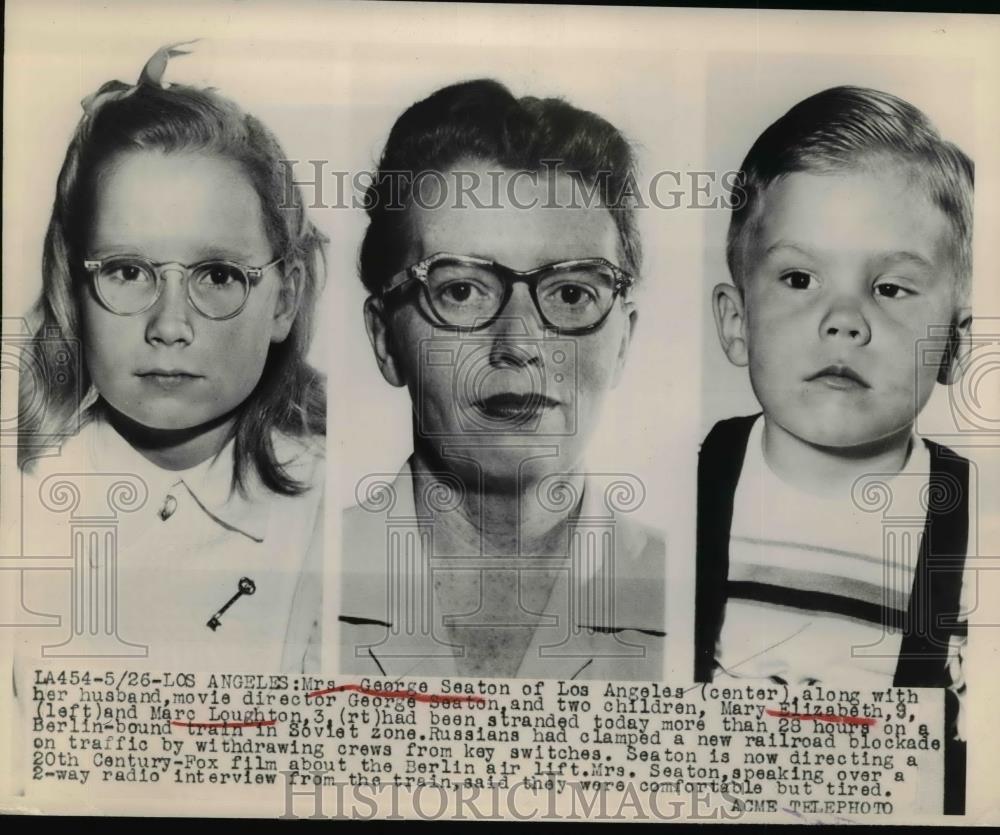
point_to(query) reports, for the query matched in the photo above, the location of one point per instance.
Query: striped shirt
(818, 586)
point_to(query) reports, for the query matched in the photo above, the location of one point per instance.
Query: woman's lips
(513, 408)
(840, 377)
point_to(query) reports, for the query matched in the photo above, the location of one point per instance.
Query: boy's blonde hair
(847, 128)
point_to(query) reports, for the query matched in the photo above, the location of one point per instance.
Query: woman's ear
(287, 305)
(632, 318)
(959, 344)
(730, 322)
(377, 325)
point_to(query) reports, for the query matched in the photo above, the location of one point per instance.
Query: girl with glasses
(169, 352)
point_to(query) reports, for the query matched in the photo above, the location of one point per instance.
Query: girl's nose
(170, 318)
(845, 320)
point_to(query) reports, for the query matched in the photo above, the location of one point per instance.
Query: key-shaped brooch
(246, 586)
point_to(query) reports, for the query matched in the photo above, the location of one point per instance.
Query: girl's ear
(632, 317)
(377, 325)
(959, 345)
(730, 322)
(287, 306)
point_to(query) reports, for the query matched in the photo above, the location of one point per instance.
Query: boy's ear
(730, 322)
(377, 325)
(632, 318)
(959, 345)
(289, 298)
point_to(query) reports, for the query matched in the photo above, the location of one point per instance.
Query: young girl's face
(170, 367)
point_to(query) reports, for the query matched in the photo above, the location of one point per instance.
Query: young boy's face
(845, 274)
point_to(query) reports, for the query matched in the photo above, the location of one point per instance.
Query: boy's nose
(846, 320)
(170, 318)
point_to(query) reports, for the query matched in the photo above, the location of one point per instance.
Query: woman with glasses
(501, 260)
(171, 431)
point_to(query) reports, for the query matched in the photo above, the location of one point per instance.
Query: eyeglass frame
(253, 274)
(420, 271)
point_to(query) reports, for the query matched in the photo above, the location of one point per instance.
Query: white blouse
(137, 563)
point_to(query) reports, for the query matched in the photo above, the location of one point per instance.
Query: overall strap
(719, 466)
(932, 614)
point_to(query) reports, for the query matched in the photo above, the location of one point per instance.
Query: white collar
(758, 472)
(209, 483)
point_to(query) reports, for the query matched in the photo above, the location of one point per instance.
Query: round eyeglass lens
(126, 286)
(218, 290)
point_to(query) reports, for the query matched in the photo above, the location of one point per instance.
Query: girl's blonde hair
(56, 395)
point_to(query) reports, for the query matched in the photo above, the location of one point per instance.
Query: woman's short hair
(483, 121)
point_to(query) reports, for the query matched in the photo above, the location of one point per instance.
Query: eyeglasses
(468, 293)
(129, 285)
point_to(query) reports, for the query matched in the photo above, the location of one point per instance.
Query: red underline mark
(258, 723)
(844, 720)
(430, 698)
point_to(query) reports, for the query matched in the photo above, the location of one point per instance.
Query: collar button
(169, 507)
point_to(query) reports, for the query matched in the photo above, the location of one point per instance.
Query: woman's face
(511, 399)
(170, 367)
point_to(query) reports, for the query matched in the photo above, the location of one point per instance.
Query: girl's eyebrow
(113, 250)
(222, 253)
(213, 253)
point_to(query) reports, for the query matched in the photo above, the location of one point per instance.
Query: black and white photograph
(172, 395)
(503, 296)
(571, 412)
(848, 303)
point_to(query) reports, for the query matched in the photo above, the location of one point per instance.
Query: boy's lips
(839, 377)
